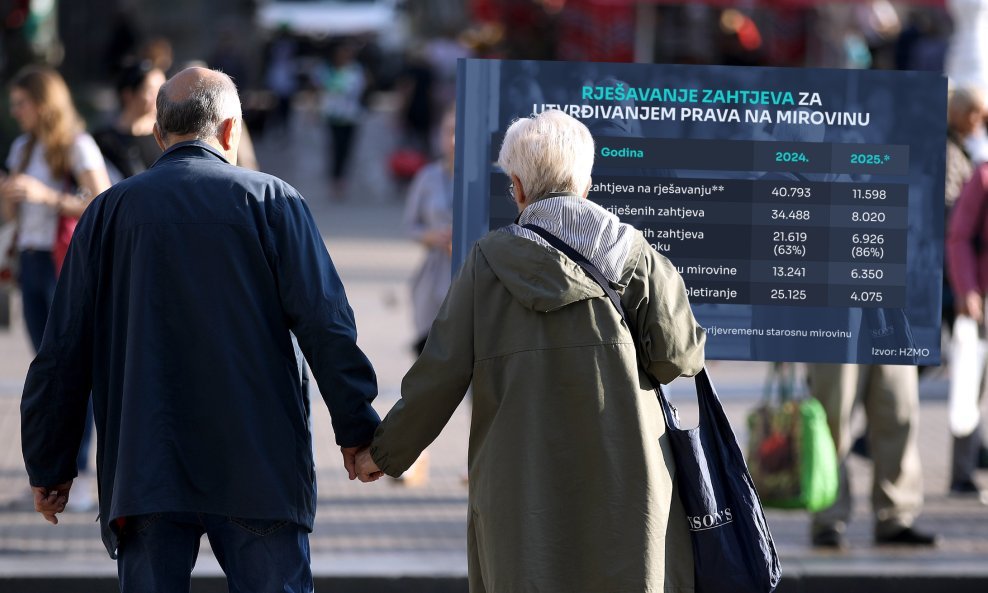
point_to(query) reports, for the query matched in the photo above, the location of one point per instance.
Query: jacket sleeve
(670, 340)
(59, 380)
(966, 219)
(318, 313)
(435, 385)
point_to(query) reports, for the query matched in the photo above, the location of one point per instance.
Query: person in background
(965, 115)
(159, 51)
(890, 396)
(571, 483)
(429, 219)
(281, 77)
(128, 144)
(180, 295)
(415, 87)
(342, 82)
(967, 270)
(56, 169)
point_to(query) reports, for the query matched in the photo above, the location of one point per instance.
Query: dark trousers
(342, 136)
(964, 462)
(37, 280)
(157, 553)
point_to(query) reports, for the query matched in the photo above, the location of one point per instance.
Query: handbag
(64, 230)
(791, 454)
(404, 163)
(733, 549)
(8, 252)
(63, 236)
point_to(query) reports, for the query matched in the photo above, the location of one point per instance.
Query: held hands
(359, 464)
(367, 470)
(51, 501)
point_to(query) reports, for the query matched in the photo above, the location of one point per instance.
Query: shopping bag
(8, 252)
(791, 454)
(733, 549)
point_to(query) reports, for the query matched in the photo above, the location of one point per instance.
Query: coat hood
(542, 278)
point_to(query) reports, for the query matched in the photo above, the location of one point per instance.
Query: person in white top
(54, 170)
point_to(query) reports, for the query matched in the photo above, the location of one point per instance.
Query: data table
(803, 208)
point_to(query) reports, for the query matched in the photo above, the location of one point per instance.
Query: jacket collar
(191, 147)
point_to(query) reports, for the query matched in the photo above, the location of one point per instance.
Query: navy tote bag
(733, 550)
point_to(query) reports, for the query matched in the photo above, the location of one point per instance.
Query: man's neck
(175, 139)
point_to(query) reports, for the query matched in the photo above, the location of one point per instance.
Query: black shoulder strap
(668, 410)
(584, 263)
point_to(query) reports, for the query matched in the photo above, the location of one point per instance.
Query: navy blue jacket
(175, 308)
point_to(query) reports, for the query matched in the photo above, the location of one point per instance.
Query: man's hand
(367, 470)
(350, 460)
(51, 501)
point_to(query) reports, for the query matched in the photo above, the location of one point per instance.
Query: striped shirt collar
(587, 227)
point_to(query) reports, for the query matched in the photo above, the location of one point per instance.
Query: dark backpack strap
(584, 263)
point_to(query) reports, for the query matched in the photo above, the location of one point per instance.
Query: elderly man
(176, 307)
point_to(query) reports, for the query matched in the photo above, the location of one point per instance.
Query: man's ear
(229, 133)
(158, 136)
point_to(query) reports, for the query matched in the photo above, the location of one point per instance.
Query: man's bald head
(194, 103)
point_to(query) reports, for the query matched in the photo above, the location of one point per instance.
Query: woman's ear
(519, 194)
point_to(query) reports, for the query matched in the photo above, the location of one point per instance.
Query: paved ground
(389, 529)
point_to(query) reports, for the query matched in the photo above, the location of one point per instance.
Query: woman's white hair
(549, 152)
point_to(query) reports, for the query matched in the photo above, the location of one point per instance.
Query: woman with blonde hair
(55, 170)
(571, 485)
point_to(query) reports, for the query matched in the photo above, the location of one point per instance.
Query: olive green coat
(571, 477)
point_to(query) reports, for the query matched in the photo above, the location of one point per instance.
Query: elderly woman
(571, 486)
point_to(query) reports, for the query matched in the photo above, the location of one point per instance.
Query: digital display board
(803, 207)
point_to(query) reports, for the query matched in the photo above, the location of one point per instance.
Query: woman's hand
(367, 470)
(438, 239)
(25, 188)
(971, 305)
